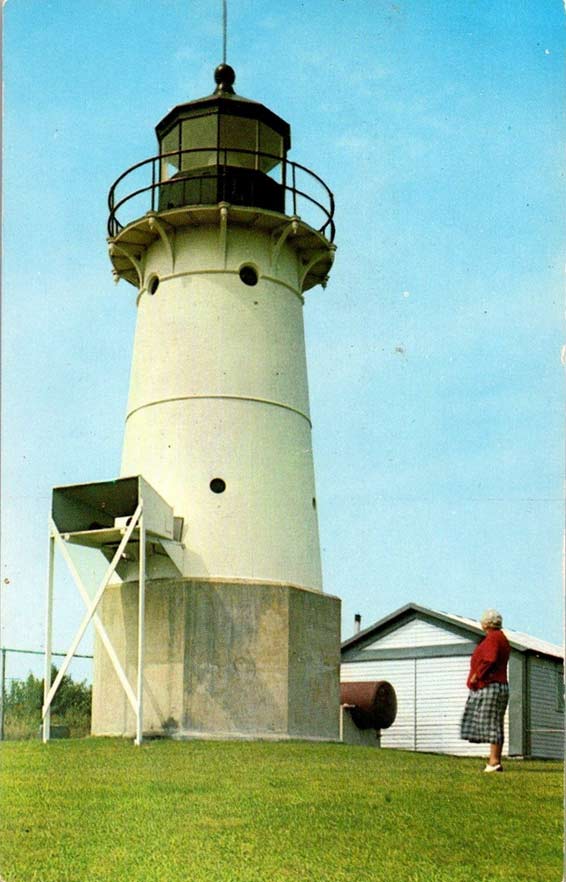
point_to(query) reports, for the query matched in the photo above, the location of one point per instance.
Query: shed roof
(517, 639)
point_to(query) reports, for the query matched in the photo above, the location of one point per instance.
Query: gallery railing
(209, 175)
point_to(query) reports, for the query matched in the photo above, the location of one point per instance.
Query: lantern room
(218, 154)
(222, 148)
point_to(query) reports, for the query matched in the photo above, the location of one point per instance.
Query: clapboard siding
(401, 675)
(544, 676)
(442, 694)
(439, 687)
(417, 633)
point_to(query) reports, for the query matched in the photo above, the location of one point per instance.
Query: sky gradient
(434, 353)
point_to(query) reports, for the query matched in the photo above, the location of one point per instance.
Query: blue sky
(434, 353)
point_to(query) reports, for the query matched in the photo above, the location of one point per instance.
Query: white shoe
(497, 768)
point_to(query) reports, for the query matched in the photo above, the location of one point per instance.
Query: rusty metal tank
(372, 705)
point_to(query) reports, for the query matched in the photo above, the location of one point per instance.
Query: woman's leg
(495, 754)
(501, 700)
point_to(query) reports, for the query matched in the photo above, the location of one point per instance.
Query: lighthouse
(221, 236)
(218, 415)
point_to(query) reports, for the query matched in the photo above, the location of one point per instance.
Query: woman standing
(489, 690)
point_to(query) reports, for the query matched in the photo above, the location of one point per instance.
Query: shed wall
(431, 694)
(401, 675)
(545, 679)
(442, 694)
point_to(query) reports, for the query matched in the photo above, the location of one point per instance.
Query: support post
(48, 639)
(141, 630)
(2, 691)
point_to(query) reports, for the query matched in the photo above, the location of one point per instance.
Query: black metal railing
(223, 176)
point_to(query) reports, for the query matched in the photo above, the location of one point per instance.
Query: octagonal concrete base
(227, 660)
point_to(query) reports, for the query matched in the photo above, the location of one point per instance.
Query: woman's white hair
(492, 618)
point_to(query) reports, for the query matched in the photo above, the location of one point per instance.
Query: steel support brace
(50, 691)
(48, 640)
(141, 633)
(319, 255)
(137, 264)
(279, 237)
(101, 630)
(163, 231)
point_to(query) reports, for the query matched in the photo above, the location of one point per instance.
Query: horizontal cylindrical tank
(373, 705)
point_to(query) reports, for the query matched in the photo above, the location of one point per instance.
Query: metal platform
(108, 515)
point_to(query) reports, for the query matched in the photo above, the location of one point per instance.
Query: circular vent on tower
(248, 274)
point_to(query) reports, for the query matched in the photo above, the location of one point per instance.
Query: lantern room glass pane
(237, 131)
(200, 134)
(170, 164)
(269, 142)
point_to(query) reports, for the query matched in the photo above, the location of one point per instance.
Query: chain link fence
(22, 673)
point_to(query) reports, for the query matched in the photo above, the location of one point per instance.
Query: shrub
(24, 700)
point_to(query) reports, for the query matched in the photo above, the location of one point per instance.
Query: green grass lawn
(101, 810)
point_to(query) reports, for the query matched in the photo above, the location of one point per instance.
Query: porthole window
(153, 284)
(217, 485)
(248, 275)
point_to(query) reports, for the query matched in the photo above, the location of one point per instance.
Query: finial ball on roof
(224, 77)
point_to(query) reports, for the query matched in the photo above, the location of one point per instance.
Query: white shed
(425, 655)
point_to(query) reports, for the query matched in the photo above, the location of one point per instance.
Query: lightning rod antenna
(224, 29)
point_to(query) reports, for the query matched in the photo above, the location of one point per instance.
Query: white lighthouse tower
(218, 414)
(221, 235)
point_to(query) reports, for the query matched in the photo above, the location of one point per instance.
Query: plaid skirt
(484, 713)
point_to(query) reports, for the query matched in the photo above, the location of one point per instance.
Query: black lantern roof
(225, 101)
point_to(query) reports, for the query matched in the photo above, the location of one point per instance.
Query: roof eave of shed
(386, 620)
(467, 627)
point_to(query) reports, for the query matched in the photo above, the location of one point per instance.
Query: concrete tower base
(226, 660)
